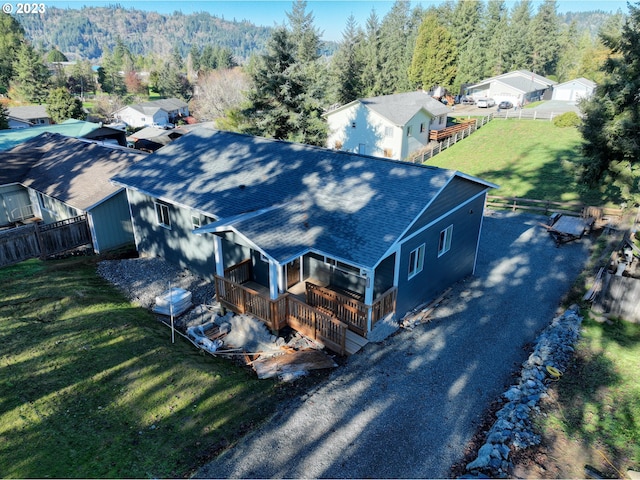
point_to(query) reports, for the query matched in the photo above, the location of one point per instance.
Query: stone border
(513, 428)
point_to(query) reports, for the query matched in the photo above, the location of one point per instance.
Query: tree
(11, 37)
(347, 65)
(369, 52)
(394, 42)
(434, 57)
(611, 126)
(493, 37)
(31, 77)
(61, 106)
(109, 76)
(218, 92)
(544, 38)
(4, 117)
(303, 33)
(517, 53)
(281, 102)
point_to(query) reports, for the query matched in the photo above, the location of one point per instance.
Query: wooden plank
(292, 363)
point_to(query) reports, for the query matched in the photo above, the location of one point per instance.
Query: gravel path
(407, 407)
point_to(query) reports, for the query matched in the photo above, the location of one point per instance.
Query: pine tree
(61, 105)
(544, 33)
(611, 126)
(394, 61)
(517, 53)
(494, 38)
(31, 77)
(434, 57)
(369, 52)
(11, 37)
(303, 33)
(4, 117)
(347, 65)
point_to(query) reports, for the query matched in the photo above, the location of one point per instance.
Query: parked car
(505, 105)
(485, 103)
(467, 101)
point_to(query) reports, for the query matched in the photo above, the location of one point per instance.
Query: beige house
(389, 126)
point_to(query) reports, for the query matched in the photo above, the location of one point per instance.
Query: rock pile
(513, 428)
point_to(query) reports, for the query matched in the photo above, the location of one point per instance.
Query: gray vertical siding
(440, 273)
(384, 276)
(177, 245)
(112, 223)
(12, 197)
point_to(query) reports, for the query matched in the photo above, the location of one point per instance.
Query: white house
(389, 126)
(155, 113)
(28, 116)
(573, 90)
(518, 87)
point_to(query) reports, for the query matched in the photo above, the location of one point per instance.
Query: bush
(568, 119)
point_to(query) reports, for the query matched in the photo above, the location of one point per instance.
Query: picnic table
(565, 228)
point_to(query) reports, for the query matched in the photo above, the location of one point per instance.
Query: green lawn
(526, 158)
(92, 387)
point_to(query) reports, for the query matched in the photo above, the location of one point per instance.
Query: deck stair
(354, 342)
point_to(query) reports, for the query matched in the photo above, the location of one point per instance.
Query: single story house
(31, 115)
(51, 178)
(573, 90)
(317, 239)
(154, 113)
(389, 126)
(518, 87)
(69, 128)
(150, 139)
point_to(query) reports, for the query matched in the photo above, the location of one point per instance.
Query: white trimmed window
(195, 220)
(388, 132)
(416, 261)
(162, 215)
(444, 244)
(409, 130)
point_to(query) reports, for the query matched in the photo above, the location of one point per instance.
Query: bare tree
(218, 91)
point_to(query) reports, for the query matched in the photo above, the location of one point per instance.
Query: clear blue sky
(329, 15)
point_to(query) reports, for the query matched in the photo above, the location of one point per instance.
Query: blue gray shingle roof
(289, 198)
(402, 107)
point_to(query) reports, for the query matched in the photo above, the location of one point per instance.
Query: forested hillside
(88, 32)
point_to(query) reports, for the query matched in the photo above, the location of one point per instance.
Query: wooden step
(354, 342)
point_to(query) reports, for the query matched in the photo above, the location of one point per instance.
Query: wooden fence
(34, 240)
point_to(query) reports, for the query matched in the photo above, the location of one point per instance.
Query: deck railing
(240, 272)
(344, 307)
(317, 325)
(384, 305)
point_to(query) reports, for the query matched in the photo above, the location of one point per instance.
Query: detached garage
(573, 90)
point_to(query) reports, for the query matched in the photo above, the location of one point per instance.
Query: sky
(329, 15)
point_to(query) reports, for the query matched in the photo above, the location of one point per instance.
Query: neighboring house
(518, 87)
(573, 90)
(389, 126)
(69, 128)
(53, 178)
(363, 237)
(155, 113)
(17, 123)
(33, 115)
(150, 139)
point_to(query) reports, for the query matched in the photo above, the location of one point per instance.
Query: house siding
(440, 272)
(177, 245)
(12, 197)
(111, 223)
(456, 192)
(384, 274)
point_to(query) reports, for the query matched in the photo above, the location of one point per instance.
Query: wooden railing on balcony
(240, 272)
(347, 309)
(317, 325)
(242, 299)
(384, 305)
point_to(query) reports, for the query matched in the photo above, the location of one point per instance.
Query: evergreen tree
(61, 105)
(611, 126)
(517, 54)
(279, 103)
(467, 30)
(11, 37)
(434, 57)
(109, 76)
(544, 38)
(569, 57)
(370, 54)
(494, 38)
(4, 117)
(394, 61)
(347, 65)
(303, 33)
(471, 64)
(31, 77)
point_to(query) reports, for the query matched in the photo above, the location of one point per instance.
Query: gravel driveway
(407, 407)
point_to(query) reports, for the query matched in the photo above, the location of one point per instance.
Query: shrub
(568, 119)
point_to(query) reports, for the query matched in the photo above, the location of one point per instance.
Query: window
(353, 124)
(422, 128)
(162, 215)
(416, 261)
(445, 240)
(195, 220)
(409, 129)
(388, 132)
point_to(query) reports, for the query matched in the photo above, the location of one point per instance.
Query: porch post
(217, 252)
(274, 278)
(368, 296)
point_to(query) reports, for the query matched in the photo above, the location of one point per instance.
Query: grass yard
(596, 410)
(91, 386)
(526, 158)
